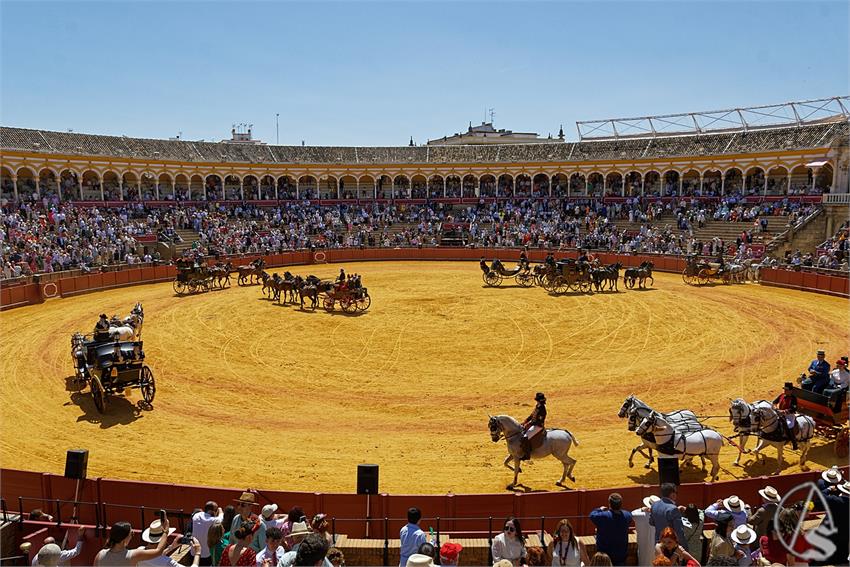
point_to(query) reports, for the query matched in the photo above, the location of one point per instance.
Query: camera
(186, 539)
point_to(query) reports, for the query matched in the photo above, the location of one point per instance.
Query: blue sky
(376, 73)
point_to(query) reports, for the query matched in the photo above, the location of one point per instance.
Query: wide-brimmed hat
(832, 476)
(820, 352)
(300, 529)
(770, 494)
(743, 534)
(733, 504)
(650, 500)
(247, 498)
(420, 560)
(154, 532)
(268, 510)
(845, 488)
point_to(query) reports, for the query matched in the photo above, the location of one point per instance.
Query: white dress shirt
(66, 555)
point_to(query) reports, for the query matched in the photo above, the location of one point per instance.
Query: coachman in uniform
(533, 425)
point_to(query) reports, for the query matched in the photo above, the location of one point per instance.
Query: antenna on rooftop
(492, 114)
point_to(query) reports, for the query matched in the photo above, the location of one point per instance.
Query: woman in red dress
(240, 553)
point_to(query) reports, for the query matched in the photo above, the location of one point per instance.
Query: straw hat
(247, 498)
(743, 534)
(733, 504)
(300, 529)
(419, 560)
(650, 500)
(832, 476)
(770, 494)
(154, 532)
(844, 488)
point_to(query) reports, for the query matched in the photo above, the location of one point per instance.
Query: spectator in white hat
(744, 537)
(153, 534)
(645, 531)
(764, 514)
(201, 523)
(830, 477)
(733, 505)
(300, 530)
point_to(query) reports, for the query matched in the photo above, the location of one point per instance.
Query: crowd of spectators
(49, 235)
(667, 531)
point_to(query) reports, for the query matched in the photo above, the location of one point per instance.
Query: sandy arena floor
(250, 393)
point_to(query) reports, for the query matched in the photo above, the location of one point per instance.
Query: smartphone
(162, 515)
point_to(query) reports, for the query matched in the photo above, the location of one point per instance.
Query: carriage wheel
(364, 302)
(98, 394)
(687, 277)
(193, 286)
(348, 305)
(328, 304)
(492, 279)
(525, 279)
(179, 287)
(585, 287)
(147, 384)
(703, 277)
(727, 278)
(547, 283)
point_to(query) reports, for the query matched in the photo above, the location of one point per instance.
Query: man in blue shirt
(818, 374)
(612, 529)
(411, 536)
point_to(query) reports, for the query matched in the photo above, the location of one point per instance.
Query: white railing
(836, 199)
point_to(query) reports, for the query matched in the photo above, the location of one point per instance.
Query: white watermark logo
(820, 539)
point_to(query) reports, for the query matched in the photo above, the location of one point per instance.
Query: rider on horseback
(533, 424)
(786, 405)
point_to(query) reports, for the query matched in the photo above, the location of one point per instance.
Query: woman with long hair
(510, 544)
(668, 546)
(240, 552)
(565, 548)
(216, 541)
(116, 553)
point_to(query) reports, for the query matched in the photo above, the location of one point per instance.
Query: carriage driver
(341, 277)
(523, 257)
(101, 328)
(550, 260)
(786, 404)
(533, 425)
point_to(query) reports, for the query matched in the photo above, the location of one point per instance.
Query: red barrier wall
(122, 499)
(28, 294)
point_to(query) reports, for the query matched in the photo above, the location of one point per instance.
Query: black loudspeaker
(668, 470)
(76, 463)
(367, 479)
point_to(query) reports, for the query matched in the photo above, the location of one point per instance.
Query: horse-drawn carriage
(496, 272)
(698, 272)
(111, 367)
(567, 275)
(351, 300)
(193, 277)
(829, 415)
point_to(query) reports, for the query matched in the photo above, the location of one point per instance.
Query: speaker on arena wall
(76, 463)
(668, 469)
(367, 479)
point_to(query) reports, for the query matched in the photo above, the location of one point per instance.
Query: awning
(817, 163)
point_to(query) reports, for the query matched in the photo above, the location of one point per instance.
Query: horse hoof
(631, 465)
(737, 464)
(510, 487)
(561, 484)
(572, 478)
(647, 466)
(804, 468)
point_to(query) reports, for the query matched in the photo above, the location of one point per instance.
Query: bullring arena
(409, 383)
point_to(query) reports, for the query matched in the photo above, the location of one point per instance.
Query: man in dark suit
(665, 513)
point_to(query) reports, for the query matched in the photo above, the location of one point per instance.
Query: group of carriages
(567, 275)
(194, 276)
(346, 291)
(699, 272)
(111, 359)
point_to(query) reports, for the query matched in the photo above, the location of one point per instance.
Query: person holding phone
(116, 551)
(154, 534)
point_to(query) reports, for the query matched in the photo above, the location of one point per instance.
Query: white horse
(766, 424)
(740, 414)
(556, 442)
(706, 442)
(130, 328)
(684, 421)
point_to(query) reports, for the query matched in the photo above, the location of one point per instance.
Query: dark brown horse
(307, 289)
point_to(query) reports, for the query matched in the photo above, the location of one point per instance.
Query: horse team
(681, 434)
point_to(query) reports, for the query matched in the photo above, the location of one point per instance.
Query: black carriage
(495, 273)
(830, 414)
(192, 279)
(350, 300)
(111, 367)
(567, 275)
